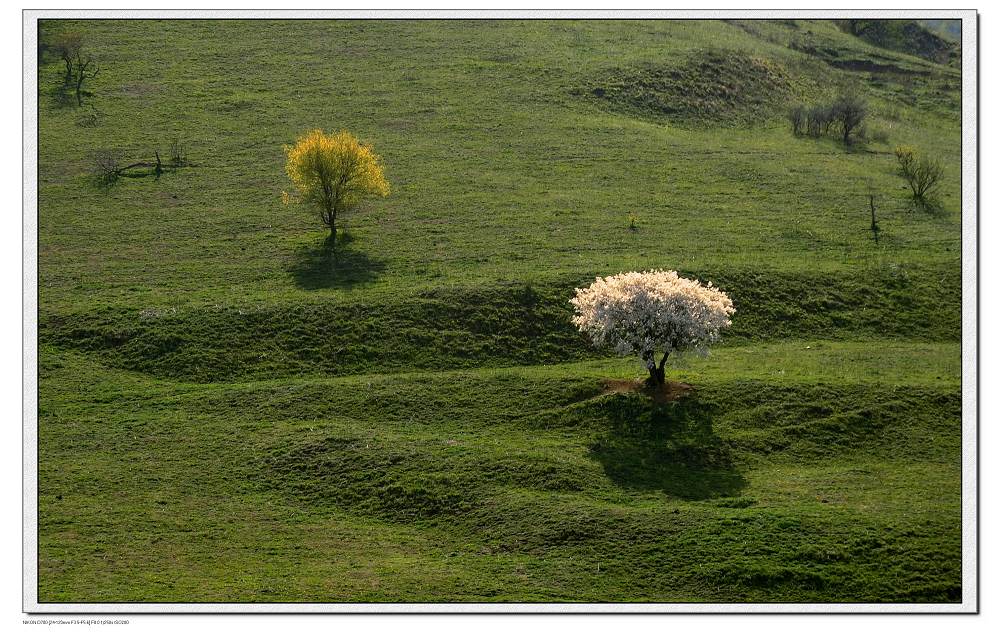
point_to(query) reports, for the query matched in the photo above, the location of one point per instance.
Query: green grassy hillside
(230, 411)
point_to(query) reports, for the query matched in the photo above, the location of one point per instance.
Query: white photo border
(970, 320)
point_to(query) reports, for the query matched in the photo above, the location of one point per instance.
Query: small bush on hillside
(80, 65)
(643, 313)
(68, 45)
(849, 111)
(845, 116)
(797, 117)
(178, 153)
(921, 172)
(108, 165)
(820, 119)
(633, 219)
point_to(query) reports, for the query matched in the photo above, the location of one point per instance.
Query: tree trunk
(656, 376)
(657, 373)
(329, 216)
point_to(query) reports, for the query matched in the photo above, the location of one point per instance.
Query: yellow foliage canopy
(334, 172)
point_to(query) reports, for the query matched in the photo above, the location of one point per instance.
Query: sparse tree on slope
(68, 45)
(921, 172)
(849, 111)
(648, 313)
(333, 173)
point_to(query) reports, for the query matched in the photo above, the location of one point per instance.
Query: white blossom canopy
(640, 313)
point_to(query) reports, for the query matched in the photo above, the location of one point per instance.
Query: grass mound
(694, 448)
(758, 419)
(496, 326)
(402, 479)
(711, 86)
(659, 493)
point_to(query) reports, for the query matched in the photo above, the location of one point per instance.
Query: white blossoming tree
(646, 313)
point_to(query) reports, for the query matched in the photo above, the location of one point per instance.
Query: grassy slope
(510, 484)
(499, 171)
(195, 446)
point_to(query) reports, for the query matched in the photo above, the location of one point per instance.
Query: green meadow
(229, 411)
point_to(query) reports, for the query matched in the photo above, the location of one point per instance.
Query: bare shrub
(849, 111)
(84, 69)
(178, 153)
(921, 172)
(80, 65)
(108, 165)
(797, 117)
(820, 119)
(68, 45)
(846, 116)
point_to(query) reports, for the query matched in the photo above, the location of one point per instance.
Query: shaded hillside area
(912, 37)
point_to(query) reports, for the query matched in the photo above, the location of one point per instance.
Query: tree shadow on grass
(666, 447)
(931, 205)
(334, 265)
(63, 95)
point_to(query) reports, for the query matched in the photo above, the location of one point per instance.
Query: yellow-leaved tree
(333, 173)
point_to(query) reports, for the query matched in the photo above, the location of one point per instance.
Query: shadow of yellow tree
(334, 265)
